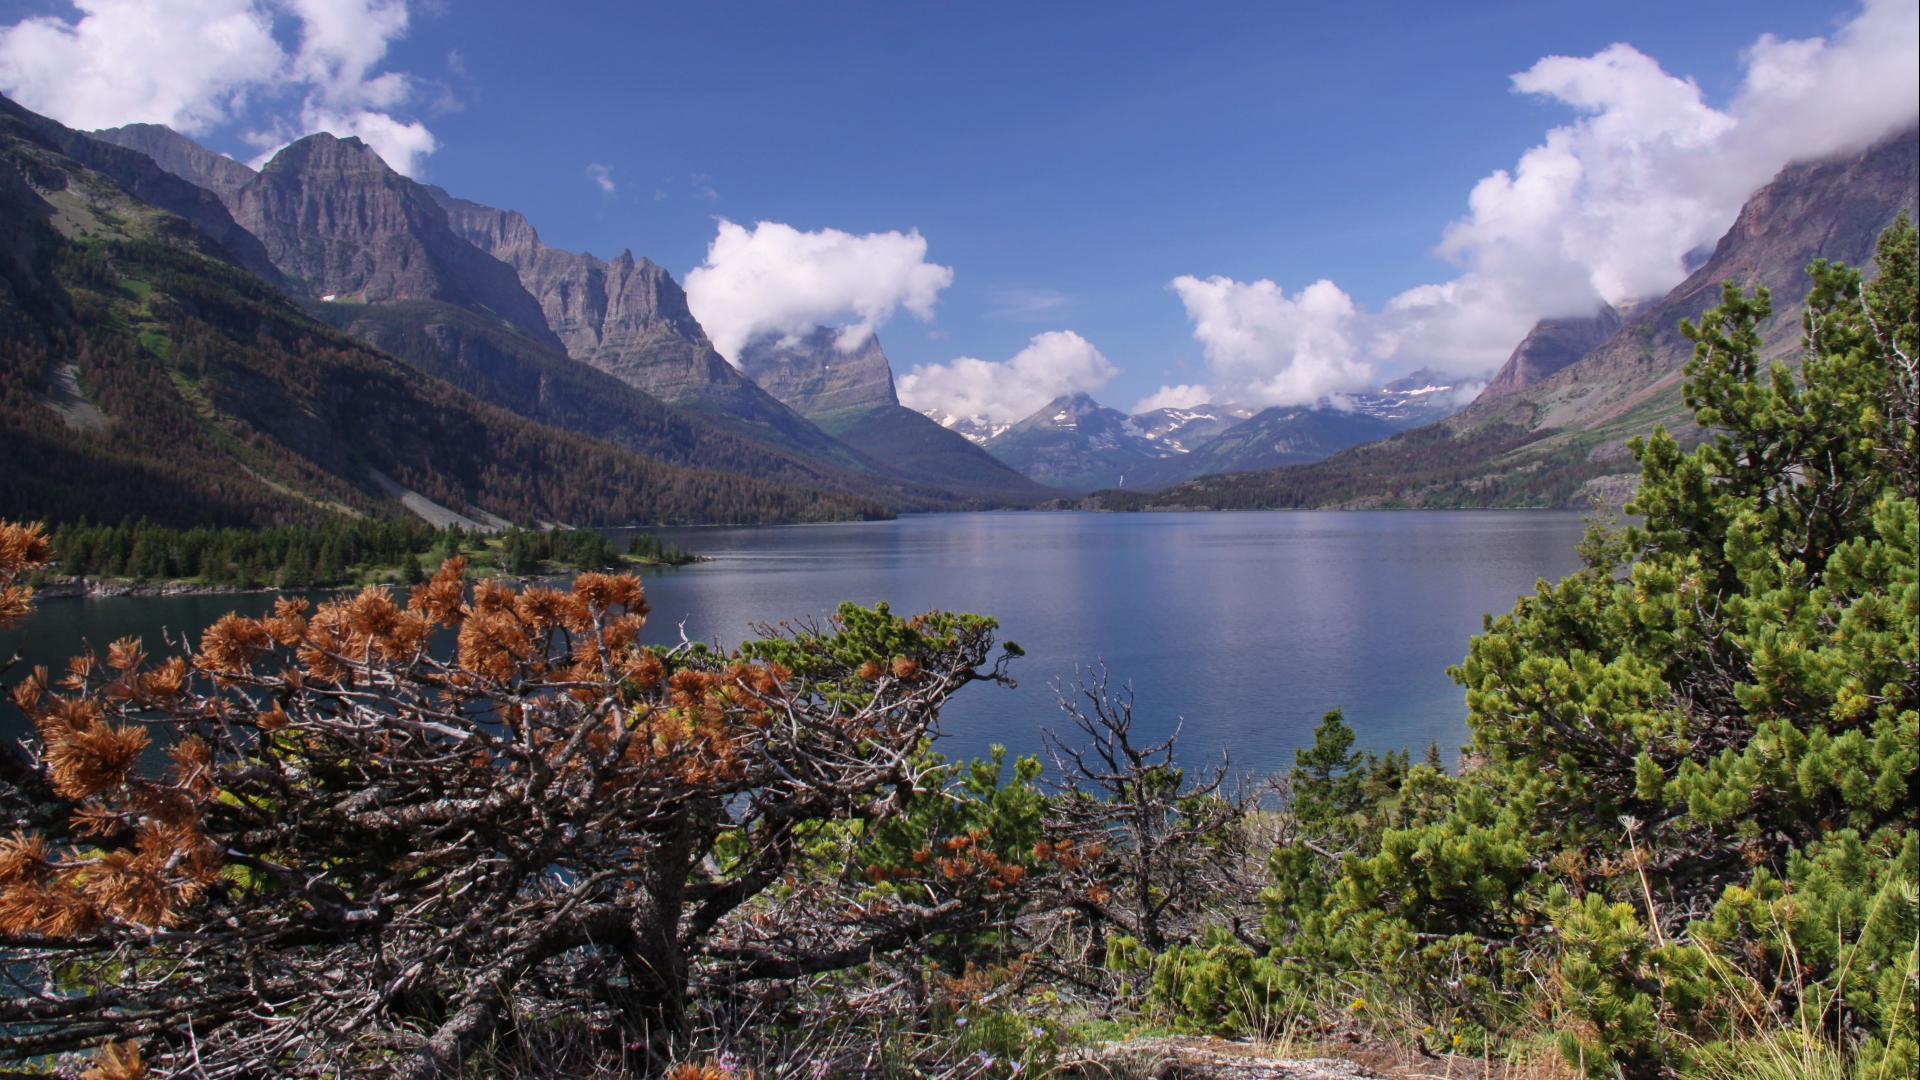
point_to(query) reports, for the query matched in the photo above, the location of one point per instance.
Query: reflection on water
(1248, 625)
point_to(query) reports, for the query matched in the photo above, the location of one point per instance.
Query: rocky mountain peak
(816, 376)
(343, 225)
(182, 157)
(1552, 344)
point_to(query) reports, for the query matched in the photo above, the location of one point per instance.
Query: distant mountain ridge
(816, 377)
(1558, 438)
(1075, 442)
(1551, 345)
(850, 394)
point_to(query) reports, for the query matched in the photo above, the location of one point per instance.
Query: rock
(1202, 1059)
(341, 225)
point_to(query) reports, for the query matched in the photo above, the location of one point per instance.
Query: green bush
(1725, 693)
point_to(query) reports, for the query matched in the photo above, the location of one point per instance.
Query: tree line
(331, 553)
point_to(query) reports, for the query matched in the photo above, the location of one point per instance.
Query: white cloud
(1267, 348)
(779, 280)
(1183, 396)
(603, 176)
(1606, 208)
(196, 65)
(1053, 363)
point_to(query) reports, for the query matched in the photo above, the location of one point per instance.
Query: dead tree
(1146, 852)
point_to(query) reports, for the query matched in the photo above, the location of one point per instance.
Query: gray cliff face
(341, 224)
(182, 157)
(1552, 344)
(627, 317)
(1831, 209)
(816, 378)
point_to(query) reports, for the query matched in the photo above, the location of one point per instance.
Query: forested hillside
(145, 376)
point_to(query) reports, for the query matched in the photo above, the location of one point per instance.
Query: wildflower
(962, 1022)
(1358, 1004)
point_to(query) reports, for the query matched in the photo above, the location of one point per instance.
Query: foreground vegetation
(1683, 840)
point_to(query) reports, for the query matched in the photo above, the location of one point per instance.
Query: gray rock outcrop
(816, 377)
(1552, 344)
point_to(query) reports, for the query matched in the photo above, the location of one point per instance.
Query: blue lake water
(1246, 625)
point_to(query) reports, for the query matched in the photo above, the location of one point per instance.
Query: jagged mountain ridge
(1183, 430)
(341, 224)
(816, 377)
(1073, 441)
(629, 318)
(150, 183)
(182, 157)
(505, 368)
(1551, 345)
(1544, 444)
(147, 375)
(850, 394)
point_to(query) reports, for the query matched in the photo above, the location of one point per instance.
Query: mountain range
(470, 294)
(1075, 442)
(192, 339)
(1551, 428)
(148, 370)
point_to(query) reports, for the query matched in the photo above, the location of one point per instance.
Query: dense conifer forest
(332, 553)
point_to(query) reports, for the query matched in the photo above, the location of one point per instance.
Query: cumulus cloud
(777, 280)
(1267, 348)
(197, 65)
(1183, 396)
(602, 176)
(1606, 208)
(1053, 363)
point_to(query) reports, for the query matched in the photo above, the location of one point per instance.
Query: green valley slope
(144, 374)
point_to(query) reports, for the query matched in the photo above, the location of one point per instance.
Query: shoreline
(71, 588)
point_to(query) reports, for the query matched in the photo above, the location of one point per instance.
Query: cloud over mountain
(1606, 208)
(287, 68)
(1053, 363)
(779, 280)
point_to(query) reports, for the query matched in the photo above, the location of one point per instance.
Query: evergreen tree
(1719, 712)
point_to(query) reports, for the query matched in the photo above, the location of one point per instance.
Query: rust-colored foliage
(22, 548)
(706, 1070)
(116, 1061)
(350, 834)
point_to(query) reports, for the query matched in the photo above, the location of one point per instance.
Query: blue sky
(1066, 161)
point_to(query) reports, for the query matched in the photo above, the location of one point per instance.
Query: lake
(1247, 626)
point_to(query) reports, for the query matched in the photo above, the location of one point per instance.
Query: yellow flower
(1456, 1040)
(1358, 1004)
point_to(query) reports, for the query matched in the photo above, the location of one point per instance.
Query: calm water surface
(1247, 625)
